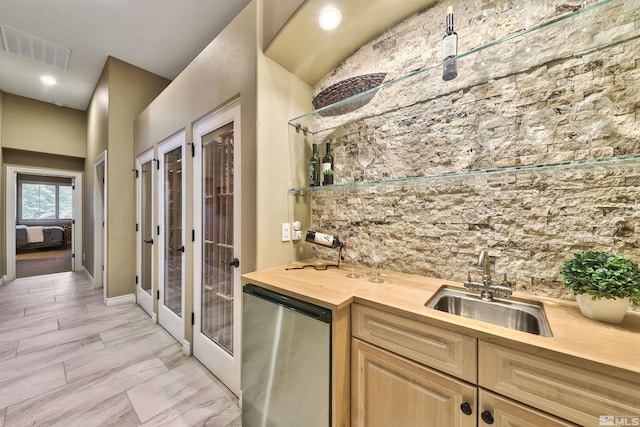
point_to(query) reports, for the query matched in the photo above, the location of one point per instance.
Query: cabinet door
(389, 390)
(574, 393)
(498, 411)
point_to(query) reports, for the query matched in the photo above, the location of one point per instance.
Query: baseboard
(89, 276)
(3, 280)
(122, 299)
(186, 347)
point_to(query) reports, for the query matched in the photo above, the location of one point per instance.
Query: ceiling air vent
(35, 48)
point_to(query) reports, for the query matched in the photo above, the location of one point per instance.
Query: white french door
(171, 240)
(145, 173)
(217, 288)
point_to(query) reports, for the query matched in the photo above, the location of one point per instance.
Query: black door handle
(177, 249)
(233, 263)
(148, 241)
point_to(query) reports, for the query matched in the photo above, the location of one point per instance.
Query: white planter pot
(605, 310)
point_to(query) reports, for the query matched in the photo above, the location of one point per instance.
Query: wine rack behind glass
(421, 127)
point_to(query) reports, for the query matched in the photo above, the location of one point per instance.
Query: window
(39, 201)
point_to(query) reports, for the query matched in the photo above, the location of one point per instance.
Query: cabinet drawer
(507, 413)
(438, 348)
(389, 390)
(564, 390)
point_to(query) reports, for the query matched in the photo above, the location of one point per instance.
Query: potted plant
(604, 284)
(328, 177)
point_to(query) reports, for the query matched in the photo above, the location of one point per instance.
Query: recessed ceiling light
(330, 18)
(48, 80)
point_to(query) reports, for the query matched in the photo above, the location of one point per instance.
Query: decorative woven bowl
(346, 89)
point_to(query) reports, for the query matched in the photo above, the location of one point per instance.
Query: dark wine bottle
(327, 166)
(450, 48)
(322, 239)
(314, 167)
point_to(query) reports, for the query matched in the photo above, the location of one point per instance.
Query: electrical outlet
(286, 231)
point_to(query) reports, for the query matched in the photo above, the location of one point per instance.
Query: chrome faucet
(484, 265)
(486, 287)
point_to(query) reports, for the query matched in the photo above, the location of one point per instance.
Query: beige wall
(281, 96)
(223, 71)
(32, 125)
(122, 92)
(37, 134)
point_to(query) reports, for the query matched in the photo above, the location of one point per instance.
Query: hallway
(66, 359)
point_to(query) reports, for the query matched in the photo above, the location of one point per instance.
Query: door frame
(145, 300)
(225, 115)
(10, 213)
(100, 224)
(177, 328)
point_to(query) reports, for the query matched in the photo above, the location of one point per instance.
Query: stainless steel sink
(512, 313)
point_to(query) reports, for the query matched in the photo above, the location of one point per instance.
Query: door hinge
(136, 279)
(137, 173)
(193, 235)
(137, 227)
(73, 221)
(158, 231)
(193, 149)
(73, 255)
(157, 163)
(73, 187)
(193, 318)
(158, 295)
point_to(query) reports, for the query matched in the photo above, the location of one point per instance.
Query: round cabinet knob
(466, 408)
(487, 417)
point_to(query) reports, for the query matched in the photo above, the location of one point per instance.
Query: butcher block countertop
(576, 339)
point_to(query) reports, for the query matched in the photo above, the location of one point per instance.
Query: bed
(30, 237)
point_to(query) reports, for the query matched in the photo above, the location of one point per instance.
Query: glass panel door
(146, 226)
(145, 235)
(173, 248)
(217, 287)
(217, 214)
(171, 190)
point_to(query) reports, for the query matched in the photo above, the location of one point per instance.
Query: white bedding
(35, 235)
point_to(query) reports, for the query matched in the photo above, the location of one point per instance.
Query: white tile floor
(67, 360)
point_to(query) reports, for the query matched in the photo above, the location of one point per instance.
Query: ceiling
(160, 36)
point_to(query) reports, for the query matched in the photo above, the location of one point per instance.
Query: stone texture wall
(450, 133)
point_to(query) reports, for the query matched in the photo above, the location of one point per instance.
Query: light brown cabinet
(389, 390)
(498, 411)
(405, 372)
(572, 392)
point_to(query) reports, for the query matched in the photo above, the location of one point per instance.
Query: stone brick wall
(445, 133)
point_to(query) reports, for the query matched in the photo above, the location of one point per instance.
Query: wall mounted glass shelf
(580, 164)
(508, 55)
(491, 118)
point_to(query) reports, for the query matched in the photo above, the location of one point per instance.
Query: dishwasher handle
(319, 313)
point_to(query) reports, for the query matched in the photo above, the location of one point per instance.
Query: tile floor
(68, 360)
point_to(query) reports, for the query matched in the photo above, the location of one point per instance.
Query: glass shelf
(513, 57)
(478, 60)
(610, 161)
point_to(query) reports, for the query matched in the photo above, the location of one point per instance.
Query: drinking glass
(352, 255)
(375, 248)
(591, 116)
(339, 162)
(365, 157)
(492, 132)
(538, 126)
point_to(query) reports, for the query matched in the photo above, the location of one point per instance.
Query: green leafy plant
(602, 275)
(328, 172)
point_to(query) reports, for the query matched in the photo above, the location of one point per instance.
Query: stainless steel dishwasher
(285, 361)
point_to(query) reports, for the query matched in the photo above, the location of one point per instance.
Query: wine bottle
(314, 167)
(322, 239)
(450, 48)
(327, 166)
